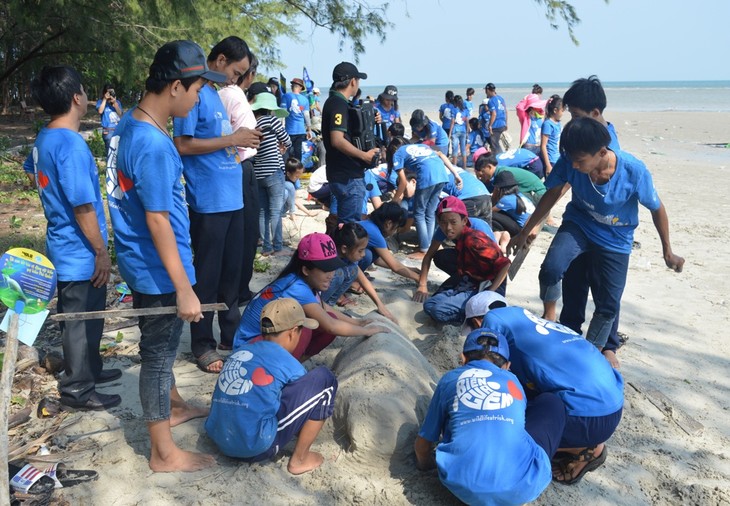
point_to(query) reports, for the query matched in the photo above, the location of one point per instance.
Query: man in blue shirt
(297, 124)
(214, 191)
(76, 236)
(497, 117)
(151, 235)
(493, 447)
(607, 187)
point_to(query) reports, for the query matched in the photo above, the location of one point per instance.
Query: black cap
(274, 80)
(390, 92)
(256, 88)
(418, 119)
(345, 71)
(181, 59)
(504, 179)
(490, 86)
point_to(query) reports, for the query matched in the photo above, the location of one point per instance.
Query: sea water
(711, 96)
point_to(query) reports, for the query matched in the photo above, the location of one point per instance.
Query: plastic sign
(27, 280)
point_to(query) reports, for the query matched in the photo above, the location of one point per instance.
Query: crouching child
(264, 397)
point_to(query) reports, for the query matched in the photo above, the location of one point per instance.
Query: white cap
(485, 101)
(481, 303)
(315, 90)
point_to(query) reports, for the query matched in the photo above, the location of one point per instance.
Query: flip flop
(64, 477)
(206, 359)
(30, 481)
(593, 464)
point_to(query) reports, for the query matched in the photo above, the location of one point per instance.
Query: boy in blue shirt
(497, 117)
(264, 397)
(495, 447)
(297, 124)
(151, 235)
(214, 191)
(607, 187)
(76, 236)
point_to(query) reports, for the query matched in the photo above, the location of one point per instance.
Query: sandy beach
(673, 444)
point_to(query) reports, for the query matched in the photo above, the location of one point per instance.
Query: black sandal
(565, 459)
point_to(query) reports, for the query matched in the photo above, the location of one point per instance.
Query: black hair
(458, 102)
(484, 160)
(358, 93)
(395, 143)
(294, 266)
(154, 85)
(261, 112)
(388, 211)
(341, 85)
(449, 97)
(493, 357)
(233, 48)
(107, 87)
(514, 190)
(347, 234)
(469, 91)
(397, 130)
(426, 128)
(537, 89)
(586, 94)
(474, 123)
(293, 164)
(54, 88)
(584, 135)
(553, 104)
(252, 68)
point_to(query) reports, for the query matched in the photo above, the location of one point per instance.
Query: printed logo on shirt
(475, 391)
(543, 326)
(418, 151)
(232, 379)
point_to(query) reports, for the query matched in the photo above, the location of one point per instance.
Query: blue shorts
(588, 431)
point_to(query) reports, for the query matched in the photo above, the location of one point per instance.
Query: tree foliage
(114, 40)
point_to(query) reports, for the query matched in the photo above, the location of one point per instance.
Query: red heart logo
(514, 390)
(268, 294)
(42, 179)
(260, 378)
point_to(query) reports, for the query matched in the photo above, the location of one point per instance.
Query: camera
(111, 92)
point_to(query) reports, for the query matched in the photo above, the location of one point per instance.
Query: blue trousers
(425, 202)
(545, 421)
(610, 267)
(350, 196)
(271, 199)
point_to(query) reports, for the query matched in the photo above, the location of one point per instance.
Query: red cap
(451, 205)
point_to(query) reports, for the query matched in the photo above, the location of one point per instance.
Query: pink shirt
(240, 114)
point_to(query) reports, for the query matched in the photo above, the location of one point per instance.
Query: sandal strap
(587, 455)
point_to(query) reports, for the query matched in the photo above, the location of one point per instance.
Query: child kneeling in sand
(264, 396)
(494, 449)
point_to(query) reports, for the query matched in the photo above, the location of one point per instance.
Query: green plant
(261, 265)
(15, 222)
(38, 125)
(96, 144)
(18, 400)
(119, 338)
(4, 143)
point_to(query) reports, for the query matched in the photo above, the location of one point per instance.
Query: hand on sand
(674, 262)
(420, 296)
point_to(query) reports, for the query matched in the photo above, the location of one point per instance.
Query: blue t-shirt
(608, 213)
(552, 129)
(109, 116)
(519, 157)
(145, 174)
(469, 106)
(388, 116)
(496, 104)
(375, 236)
(471, 186)
(438, 136)
(485, 455)
(214, 181)
(371, 190)
(247, 396)
(534, 135)
(508, 205)
(476, 224)
(549, 357)
(67, 177)
(423, 161)
(484, 117)
(446, 113)
(291, 286)
(461, 119)
(297, 105)
(475, 140)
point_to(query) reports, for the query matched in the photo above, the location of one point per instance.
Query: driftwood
(127, 313)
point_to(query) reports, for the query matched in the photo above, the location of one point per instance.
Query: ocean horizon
(639, 96)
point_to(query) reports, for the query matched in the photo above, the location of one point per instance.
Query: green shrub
(96, 144)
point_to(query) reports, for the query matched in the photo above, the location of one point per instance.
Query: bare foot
(418, 255)
(181, 412)
(612, 358)
(310, 462)
(180, 460)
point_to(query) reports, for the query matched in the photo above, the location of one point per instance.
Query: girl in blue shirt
(512, 208)
(551, 128)
(428, 132)
(459, 130)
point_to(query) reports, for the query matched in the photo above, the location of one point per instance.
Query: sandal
(564, 460)
(208, 358)
(64, 477)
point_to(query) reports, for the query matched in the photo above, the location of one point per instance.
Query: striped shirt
(268, 159)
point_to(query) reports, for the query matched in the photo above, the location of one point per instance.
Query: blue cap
(472, 342)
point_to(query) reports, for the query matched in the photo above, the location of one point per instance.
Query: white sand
(678, 345)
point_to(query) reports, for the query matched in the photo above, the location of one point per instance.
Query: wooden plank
(128, 313)
(517, 262)
(685, 422)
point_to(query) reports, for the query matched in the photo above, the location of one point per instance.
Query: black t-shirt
(335, 116)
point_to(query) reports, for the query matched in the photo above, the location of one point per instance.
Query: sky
(510, 41)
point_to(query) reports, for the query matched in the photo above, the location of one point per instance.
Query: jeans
(290, 196)
(80, 339)
(159, 339)
(271, 199)
(350, 196)
(425, 202)
(458, 144)
(449, 305)
(341, 281)
(610, 267)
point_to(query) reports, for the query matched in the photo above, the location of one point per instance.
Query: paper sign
(27, 280)
(29, 325)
